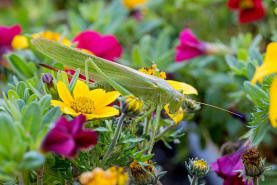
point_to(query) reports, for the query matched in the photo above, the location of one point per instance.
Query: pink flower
(6, 36)
(68, 137)
(106, 46)
(189, 47)
(225, 167)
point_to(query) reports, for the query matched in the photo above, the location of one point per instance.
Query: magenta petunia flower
(6, 36)
(68, 137)
(225, 167)
(189, 47)
(104, 46)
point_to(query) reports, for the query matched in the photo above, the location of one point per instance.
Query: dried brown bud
(253, 163)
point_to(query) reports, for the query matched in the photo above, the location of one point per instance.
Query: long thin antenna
(216, 107)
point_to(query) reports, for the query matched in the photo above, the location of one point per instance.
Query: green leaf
(74, 80)
(58, 66)
(8, 132)
(134, 140)
(20, 88)
(257, 95)
(20, 67)
(44, 103)
(12, 94)
(31, 160)
(259, 133)
(101, 129)
(31, 119)
(51, 116)
(137, 56)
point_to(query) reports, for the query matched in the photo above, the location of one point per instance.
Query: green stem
(164, 132)
(114, 140)
(40, 176)
(145, 115)
(155, 126)
(20, 179)
(194, 180)
(256, 181)
(146, 130)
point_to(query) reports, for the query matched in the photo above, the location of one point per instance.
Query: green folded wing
(140, 84)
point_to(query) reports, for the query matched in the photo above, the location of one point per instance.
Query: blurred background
(151, 34)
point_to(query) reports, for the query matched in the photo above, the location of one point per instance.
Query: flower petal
(108, 98)
(273, 103)
(104, 112)
(81, 89)
(64, 93)
(64, 108)
(187, 89)
(269, 65)
(97, 96)
(176, 117)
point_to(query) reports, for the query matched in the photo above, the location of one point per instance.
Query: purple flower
(6, 36)
(189, 47)
(225, 167)
(68, 137)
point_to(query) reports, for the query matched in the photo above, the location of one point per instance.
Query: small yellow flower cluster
(131, 4)
(21, 41)
(269, 67)
(178, 86)
(154, 71)
(200, 164)
(112, 176)
(52, 36)
(132, 106)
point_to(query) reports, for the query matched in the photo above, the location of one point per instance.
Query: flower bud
(132, 106)
(50, 88)
(198, 168)
(142, 174)
(47, 79)
(252, 162)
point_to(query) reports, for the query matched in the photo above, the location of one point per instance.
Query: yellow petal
(176, 117)
(56, 103)
(133, 3)
(64, 93)
(64, 108)
(273, 103)
(108, 98)
(81, 89)
(269, 65)
(96, 95)
(104, 112)
(187, 89)
(20, 42)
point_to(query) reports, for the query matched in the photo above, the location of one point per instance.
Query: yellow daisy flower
(91, 103)
(184, 88)
(131, 4)
(269, 67)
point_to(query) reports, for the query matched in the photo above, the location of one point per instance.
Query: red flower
(106, 46)
(249, 10)
(68, 137)
(6, 36)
